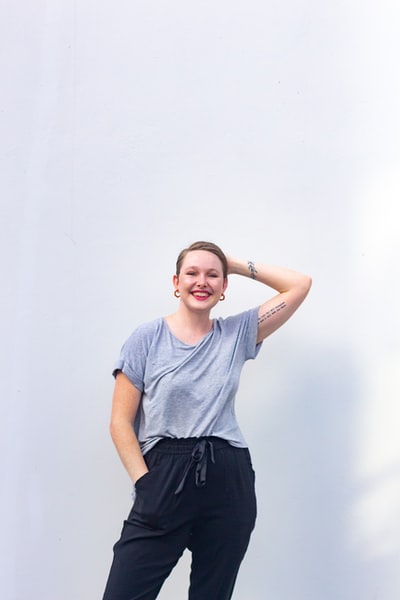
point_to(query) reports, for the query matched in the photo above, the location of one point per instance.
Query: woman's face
(201, 281)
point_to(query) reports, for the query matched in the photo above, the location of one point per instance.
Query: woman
(176, 381)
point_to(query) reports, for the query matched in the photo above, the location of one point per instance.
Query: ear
(175, 281)
(225, 284)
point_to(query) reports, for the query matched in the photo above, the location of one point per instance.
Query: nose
(201, 280)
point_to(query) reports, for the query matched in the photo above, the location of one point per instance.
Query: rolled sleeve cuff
(123, 366)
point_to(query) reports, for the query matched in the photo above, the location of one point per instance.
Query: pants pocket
(155, 499)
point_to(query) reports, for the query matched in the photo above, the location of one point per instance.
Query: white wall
(130, 129)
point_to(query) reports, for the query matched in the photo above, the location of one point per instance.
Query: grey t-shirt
(189, 390)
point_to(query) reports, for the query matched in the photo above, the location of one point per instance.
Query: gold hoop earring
(177, 294)
(222, 298)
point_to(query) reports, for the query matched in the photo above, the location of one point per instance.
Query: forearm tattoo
(271, 312)
(252, 269)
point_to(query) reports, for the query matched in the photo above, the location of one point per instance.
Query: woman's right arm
(125, 404)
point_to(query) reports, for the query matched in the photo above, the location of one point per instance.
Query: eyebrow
(194, 267)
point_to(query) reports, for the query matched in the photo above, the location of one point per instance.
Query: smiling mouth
(201, 295)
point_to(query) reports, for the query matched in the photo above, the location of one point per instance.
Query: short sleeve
(251, 328)
(133, 356)
(245, 327)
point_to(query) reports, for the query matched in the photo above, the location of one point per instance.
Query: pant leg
(141, 565)
(153, 537)
(221, 535)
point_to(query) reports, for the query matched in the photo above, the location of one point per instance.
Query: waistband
(187, 445)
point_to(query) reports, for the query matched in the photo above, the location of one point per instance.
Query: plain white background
(131, 129)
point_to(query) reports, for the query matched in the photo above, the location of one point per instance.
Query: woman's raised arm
(292, 288)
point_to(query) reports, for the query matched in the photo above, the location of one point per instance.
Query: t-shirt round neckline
(179, 341)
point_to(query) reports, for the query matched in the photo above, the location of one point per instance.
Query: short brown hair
(208, 247)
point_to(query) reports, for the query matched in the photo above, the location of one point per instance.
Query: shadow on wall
(301, 425)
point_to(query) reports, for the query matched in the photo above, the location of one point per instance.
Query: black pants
(198, 494)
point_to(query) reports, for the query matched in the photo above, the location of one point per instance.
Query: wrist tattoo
(252, 269)
(271, 312)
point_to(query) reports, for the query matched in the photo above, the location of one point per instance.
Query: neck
(191, 319)
(199, 323)
(189, 327)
